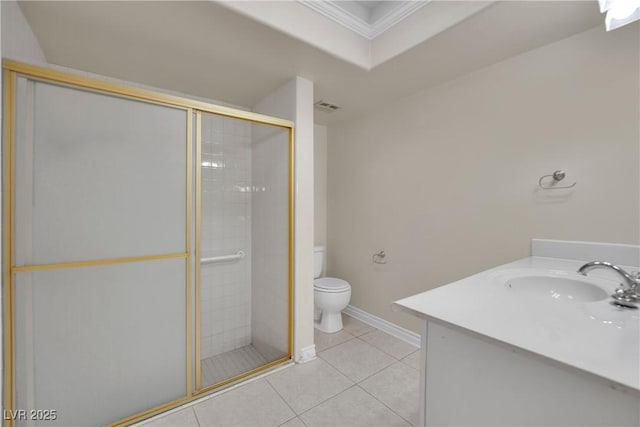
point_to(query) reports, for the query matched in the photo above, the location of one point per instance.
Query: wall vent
(326, 106)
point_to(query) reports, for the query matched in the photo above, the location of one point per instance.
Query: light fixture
(619, 12)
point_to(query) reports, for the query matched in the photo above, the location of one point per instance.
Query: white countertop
(595, 337)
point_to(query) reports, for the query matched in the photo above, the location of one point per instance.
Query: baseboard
(392, 329)
(307, 354)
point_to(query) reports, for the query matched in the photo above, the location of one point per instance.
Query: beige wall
(320, 185)
(18, 42)
(445, 181)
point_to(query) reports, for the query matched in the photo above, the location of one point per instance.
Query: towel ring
(556, 177)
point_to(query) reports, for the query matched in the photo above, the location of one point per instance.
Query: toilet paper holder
(379, 258)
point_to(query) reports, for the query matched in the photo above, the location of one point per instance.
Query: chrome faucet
(625, 296)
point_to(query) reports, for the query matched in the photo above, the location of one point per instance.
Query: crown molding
(329, 9)
(396, 15)
(337, 14)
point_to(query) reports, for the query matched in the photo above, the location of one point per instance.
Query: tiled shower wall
(226, 229)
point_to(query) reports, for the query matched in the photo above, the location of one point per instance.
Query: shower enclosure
(147, 248)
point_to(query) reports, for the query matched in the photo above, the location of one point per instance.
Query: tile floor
(362, 377)
(229, 364)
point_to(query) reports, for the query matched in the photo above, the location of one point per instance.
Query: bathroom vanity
(531, 342)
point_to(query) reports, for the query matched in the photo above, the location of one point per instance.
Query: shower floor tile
(226, 365)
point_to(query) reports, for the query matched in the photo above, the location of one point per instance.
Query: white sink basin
(553, 285)
(558, 288)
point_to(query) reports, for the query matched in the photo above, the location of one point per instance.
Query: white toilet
(331, 296)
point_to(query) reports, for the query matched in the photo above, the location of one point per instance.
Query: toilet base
(329, 322)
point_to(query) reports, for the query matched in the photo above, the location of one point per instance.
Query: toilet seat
(331, 284)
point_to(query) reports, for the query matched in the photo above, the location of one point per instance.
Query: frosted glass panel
(98, 344)
(97, 176)
(270, 238)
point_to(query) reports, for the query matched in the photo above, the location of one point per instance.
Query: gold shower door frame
(11, 70)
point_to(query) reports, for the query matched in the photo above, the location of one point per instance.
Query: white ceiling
(326, 25)
(209, 50)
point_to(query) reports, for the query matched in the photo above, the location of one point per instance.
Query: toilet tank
(318, 261)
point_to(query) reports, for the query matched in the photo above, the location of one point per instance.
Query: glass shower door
(99, 270)
(105, 275)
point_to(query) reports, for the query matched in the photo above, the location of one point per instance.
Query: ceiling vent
(326, 106)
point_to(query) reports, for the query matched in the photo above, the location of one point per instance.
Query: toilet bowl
(331, 296)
